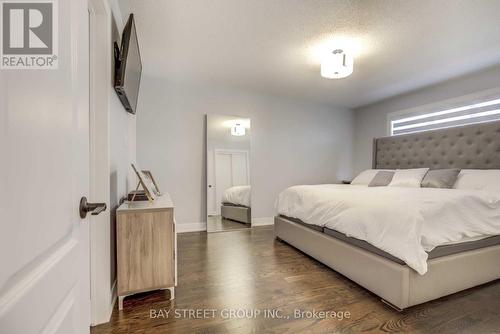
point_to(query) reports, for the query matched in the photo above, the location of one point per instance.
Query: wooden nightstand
(146, 247)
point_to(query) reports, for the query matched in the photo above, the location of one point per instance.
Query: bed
(359, 235)
(236, 204)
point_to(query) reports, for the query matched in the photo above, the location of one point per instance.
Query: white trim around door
(102, 286)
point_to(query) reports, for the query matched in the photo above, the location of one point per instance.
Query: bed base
(240, 214)
(398, 285)
(394, 307)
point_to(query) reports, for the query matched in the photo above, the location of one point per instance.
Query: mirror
(228, 173)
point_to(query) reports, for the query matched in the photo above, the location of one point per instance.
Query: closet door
(223, 175)
(231, 169)
(239, 169)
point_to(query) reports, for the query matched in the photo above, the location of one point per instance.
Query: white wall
(371, 121)
(122, 151)
(293, 142)
(122, 146)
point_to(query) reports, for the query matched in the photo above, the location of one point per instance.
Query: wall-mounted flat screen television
(128, 67)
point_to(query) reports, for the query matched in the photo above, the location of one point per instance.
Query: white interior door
(44, 138)
(222, 176)
(231, 169)
(239, 169)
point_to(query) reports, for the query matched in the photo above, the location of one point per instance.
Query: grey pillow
(381, 179)
(440, 178)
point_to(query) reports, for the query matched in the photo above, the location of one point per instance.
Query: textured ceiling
(274, 46)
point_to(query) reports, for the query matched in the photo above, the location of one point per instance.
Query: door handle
(94, 208)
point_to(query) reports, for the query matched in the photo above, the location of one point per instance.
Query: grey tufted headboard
(474, 146)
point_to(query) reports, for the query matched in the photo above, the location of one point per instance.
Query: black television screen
(128, 67)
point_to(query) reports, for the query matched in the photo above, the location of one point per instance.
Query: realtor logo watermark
(29, 37)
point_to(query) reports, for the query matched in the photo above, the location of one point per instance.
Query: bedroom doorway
(228, 173)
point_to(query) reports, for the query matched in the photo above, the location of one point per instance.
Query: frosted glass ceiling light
(238, 130)
(336, 65)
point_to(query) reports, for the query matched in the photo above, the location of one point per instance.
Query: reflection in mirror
(228, 173)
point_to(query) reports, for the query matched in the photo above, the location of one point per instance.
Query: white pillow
(479, 179)
(411, 178)
(365, 177)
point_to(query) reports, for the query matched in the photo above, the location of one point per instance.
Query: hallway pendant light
(336, 65)
(238, 130)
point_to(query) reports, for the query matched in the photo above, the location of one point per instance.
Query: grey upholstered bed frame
(473, 147)
(241, 214)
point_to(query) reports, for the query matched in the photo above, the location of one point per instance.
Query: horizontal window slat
(463, 114)
(474, 113)
(447, 125)
(449, 111)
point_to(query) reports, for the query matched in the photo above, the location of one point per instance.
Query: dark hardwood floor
(219, 224)
(251, 270)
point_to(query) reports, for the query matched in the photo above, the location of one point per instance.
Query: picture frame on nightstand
(154, 186)
(145, 183)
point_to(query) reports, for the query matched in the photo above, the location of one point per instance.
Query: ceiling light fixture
(238, 130)
(336, 65)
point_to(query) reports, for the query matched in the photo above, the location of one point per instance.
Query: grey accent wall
(371, 121)
(293, 142)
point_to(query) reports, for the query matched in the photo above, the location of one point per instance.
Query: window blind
(478, 112)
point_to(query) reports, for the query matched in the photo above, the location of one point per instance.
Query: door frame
(211, 157)
(102, 290)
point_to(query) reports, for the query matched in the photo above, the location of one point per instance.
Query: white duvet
(239, 195)
(404, 222)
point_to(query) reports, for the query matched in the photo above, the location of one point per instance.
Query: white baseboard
(105, 312)
(190, 227)
(113, 300)
(263, 221)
